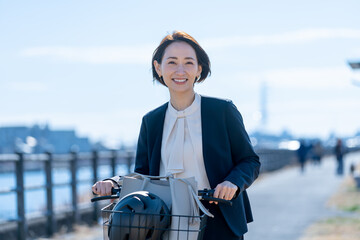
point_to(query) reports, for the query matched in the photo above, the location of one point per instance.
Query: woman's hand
(103, 188)
(225, 190)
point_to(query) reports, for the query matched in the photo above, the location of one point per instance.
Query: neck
(182, 101)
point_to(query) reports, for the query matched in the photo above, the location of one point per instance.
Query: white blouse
(181, 147)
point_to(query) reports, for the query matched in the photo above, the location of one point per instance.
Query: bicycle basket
(136, 230)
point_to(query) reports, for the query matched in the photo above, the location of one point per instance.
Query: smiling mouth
(179, 80)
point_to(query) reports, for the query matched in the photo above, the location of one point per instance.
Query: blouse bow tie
(176, 158)
(178, 130)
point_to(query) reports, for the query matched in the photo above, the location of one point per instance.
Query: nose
(180, 69)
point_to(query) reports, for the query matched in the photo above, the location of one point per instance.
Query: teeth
(179, 80)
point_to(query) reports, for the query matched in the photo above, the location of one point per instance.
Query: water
(35, 200)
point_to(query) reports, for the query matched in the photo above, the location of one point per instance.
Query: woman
(199, 136)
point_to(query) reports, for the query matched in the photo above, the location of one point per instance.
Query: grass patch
(347, 198)
(341, 221)
(338, 228)
(354, 208)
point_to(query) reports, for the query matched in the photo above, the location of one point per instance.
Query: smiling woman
(196, 136)
(179, 36)
(179, 70)
(178, 63)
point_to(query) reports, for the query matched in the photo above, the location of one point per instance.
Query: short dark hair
(180, 36)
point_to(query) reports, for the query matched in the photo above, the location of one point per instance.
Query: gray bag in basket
(159, 186)
(179, 194)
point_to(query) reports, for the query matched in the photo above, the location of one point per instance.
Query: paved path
(286, 202)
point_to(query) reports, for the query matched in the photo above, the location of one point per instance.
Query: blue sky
(86, 64)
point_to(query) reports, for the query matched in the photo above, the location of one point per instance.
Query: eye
(191, 63)
(171, 62)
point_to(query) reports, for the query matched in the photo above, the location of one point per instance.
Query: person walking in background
(302, 154)
(317, 152)
(339, 153)
(197, 136)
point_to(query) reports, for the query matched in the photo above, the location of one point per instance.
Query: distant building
(38, 139)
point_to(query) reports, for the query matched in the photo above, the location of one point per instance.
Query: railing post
(49, 196)
(20, 193)
(113, 162)
(73, 168)
(95, 178)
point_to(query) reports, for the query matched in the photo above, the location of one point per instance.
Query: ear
(199, 70)
(157, 67)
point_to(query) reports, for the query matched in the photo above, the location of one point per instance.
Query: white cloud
(302, 77)
(141, 54)
(354, 55)
(326, 77)
(293, 37)
(95, 55)
(31, 86)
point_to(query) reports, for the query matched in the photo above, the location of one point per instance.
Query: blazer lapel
(157, 127)
(206, 138)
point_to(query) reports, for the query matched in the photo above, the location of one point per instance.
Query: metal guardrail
(72, 160)
(274, 159)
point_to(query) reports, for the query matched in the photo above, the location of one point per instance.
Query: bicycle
(140, 229)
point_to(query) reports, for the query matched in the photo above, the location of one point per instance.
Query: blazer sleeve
(142, 160)
(246, 161)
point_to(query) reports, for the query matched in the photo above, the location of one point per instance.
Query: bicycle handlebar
(206, 194)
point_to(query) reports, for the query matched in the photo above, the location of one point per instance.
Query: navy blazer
(228, 153)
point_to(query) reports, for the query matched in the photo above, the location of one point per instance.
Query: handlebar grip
(207, 194)
(220, 200)
(104, 198)
(115, 193)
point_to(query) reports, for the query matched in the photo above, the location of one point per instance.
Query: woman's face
(179, 67)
